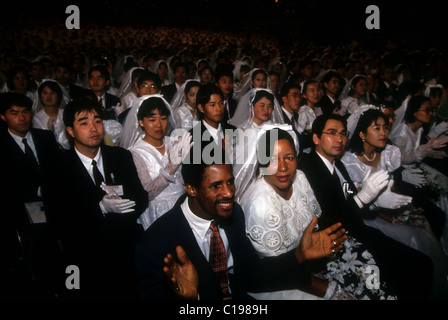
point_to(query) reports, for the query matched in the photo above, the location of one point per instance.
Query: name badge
(118, 189)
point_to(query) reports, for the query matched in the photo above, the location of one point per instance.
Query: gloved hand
(108, 205)
(119, 109)
(112, 202)
(413, 176)
(431, 149)
(372, 184)
(178, 152)
(437, 130)
(438, 143)
(391, 200)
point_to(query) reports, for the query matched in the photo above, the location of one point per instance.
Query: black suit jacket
(110, 102)
(287, 120)
(21, 180)
(169, 91)
(32, 247)
(82, 222)
(335, 207)
(202, 138)
(327, 106)
(232, 103)
(250, 274)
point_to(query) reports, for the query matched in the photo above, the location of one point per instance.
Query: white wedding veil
(248, 154)
(244, 113)
(131, 129)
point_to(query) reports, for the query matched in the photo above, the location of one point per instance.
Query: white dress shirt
(87, 162)
(202, 232)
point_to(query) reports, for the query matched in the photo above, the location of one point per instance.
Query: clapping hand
(372, 184)
(182, 275)
(315, 245)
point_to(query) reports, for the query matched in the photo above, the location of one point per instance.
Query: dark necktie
(294, 118)
(97, 176)
(218, 260)
(337, 105)
(336, 177)
(30, 154)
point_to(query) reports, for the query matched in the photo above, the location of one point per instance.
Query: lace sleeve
(408, 155)
(154, 186)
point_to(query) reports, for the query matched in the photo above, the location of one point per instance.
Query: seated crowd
(173, 164)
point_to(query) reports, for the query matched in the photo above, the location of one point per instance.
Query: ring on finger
(334, 243)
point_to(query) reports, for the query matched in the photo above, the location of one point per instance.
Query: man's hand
(315, 245)
(182, 275)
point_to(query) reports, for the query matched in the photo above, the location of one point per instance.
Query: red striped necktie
(218, 260)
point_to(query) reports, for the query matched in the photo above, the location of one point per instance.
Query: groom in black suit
(407, 272)
(98, 231)
(26, 172)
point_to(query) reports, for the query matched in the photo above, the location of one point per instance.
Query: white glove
(178, 152)
(413, 176)
(108, 205)
(372, 185)
(392, 200)
(119, 109)
(438, 143)
(437, 130)
(112, 202)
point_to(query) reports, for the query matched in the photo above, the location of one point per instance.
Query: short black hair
(193, 171)
(413, 105)
(10, 99)
(266, 144)
(148, 106)
(53, 87)
(102, 70)
(205, 92)
(320, 122)
(365, 120)
(149, 76)
(284, 91)
(83, 103)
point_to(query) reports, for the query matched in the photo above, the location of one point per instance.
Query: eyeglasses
(144, 85)
(427, 110)
(334, 133)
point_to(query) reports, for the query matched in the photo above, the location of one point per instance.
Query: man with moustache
(101, 198)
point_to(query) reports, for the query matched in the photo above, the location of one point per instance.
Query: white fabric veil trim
(247, 151)
(37, 104)
(169, 77)
(244, 114)
(348, 86)
(352, 121)
(131, 128)
(246, 86)
(126, 84)
(399, 118)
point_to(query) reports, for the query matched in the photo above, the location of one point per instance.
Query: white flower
(352, 262)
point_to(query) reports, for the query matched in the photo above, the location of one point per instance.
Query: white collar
(330, 165)
(213, 131)
(199, 225)
(88, 161)
(18, 139)
(287, 113)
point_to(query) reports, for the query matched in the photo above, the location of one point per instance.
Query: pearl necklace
(163, 144)
(368, 159)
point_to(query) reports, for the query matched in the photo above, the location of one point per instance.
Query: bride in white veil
(131, 128)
